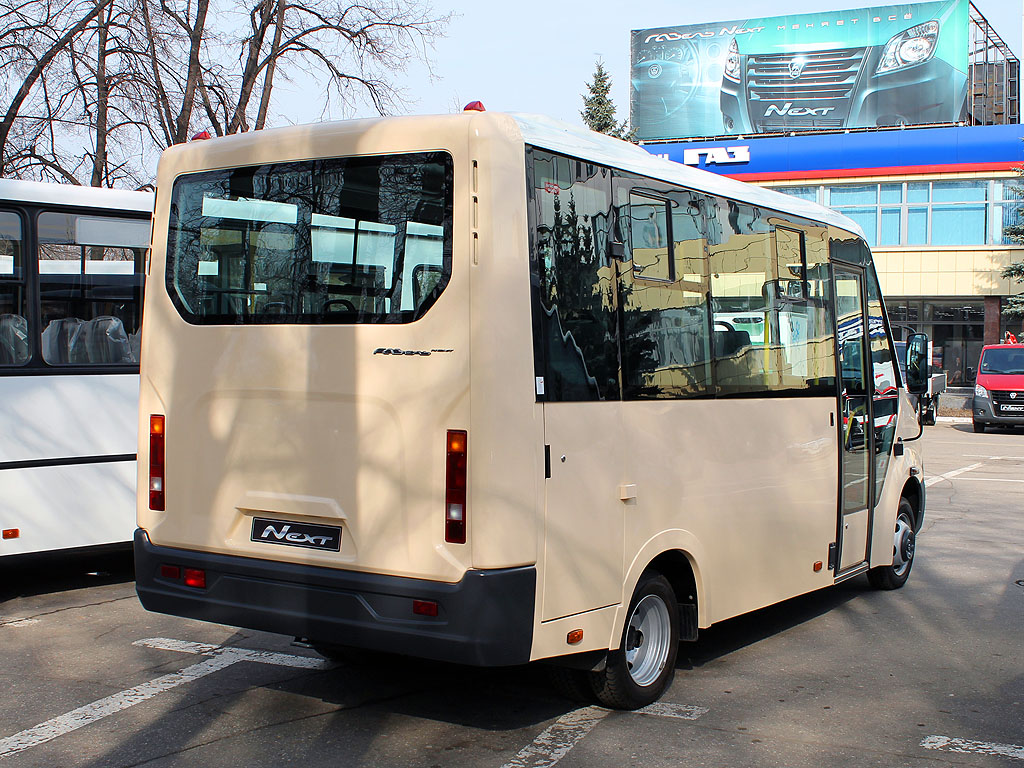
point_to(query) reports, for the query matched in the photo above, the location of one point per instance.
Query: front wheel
(978, 427)
(640, 670)
(904, 543)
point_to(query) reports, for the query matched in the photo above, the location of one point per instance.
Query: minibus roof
(546, 133)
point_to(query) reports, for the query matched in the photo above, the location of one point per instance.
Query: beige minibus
(491, 389)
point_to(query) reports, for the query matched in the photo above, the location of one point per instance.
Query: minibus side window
(574, 301)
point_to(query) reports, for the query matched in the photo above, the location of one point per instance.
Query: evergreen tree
(598, 109)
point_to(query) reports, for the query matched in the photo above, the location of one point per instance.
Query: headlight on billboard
(913, 46)
(732, 61)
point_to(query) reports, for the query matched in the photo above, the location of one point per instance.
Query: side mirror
(918, 364)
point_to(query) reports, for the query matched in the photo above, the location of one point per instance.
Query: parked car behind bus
(999, 389)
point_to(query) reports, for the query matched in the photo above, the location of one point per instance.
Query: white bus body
(557, 446)
(71, 273)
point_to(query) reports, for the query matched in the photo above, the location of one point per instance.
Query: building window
(938, 213)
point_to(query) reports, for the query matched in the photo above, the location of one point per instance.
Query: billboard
(889, 65)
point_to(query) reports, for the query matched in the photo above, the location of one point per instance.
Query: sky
(538, 55)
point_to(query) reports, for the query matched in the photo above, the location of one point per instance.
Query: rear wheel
(904, 543)
(640, 670)
(978, 427)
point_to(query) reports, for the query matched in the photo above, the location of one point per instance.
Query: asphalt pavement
(929, 675)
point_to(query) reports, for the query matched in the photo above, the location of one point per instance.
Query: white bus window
(14, 348)
(335, 240)
(90, 288)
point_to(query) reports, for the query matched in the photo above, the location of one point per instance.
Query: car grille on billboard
(825, 79)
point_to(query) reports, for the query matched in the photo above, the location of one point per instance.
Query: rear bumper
(486, 619)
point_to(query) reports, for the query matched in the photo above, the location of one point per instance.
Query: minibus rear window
(340, 240)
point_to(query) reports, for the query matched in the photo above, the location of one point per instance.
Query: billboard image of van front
(885, 66)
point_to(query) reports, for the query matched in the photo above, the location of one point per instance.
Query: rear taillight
(156, 463)
(455, 487)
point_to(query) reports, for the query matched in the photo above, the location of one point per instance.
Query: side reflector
(170, 572)
(575, 637)
(818, 566)
(11, 533)
(455, 487)
(195, 577)
(156, 463)
(424, 607)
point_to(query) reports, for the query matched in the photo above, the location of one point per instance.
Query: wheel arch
(675, 554)
(913, 491)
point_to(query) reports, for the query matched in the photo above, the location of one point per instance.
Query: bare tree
(32, 26)
(118, 80)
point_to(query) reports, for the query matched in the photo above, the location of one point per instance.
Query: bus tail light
(195, 577)
(156, 463)
(455, 487)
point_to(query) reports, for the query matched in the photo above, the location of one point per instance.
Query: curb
(953, 419)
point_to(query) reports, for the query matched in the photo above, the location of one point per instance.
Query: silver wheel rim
(648, 638)
(902, 545)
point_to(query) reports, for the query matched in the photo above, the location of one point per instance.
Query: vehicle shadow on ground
(733, 634)
(506, 699)
(42, 574)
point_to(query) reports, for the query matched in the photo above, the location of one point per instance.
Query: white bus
(71, 283)
(463, 387)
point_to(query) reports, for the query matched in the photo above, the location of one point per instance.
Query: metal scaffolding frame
(993, 76)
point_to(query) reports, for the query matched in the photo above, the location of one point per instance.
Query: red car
(999, 389)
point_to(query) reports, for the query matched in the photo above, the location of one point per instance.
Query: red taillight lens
(172, 572)
(424, 607)
(455, 487)
(195, 577)
(156, 463)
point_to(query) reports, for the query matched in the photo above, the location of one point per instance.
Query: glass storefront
(956, 328)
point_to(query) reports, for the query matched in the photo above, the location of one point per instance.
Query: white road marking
(954, 473)
(90, 713)
(566, 732)
(221, 657)
(558, 738)
(993, 458)
(18, 622)
(992, 480)
(237, 654)
(681, 711)
(973, 747)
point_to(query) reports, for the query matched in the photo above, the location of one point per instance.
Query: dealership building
(933, 200)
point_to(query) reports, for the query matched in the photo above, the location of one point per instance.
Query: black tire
(904, 544)
(572, 684)
(978, 427)
(618, 686)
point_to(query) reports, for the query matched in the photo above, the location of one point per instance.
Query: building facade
(934, 204)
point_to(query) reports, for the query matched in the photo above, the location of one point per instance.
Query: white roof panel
(16, 191)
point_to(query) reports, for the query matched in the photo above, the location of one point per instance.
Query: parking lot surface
(929, 675)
